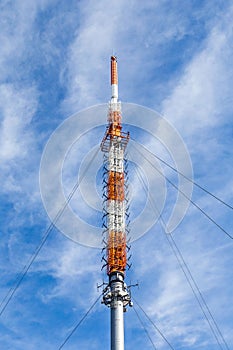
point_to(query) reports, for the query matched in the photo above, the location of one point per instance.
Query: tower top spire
(114, 79)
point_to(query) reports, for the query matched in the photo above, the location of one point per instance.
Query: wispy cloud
(202, 93)
(18, 109)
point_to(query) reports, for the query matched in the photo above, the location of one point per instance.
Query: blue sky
(54, 61)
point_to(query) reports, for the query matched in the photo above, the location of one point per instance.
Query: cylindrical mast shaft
(117, 327)
(117, 318)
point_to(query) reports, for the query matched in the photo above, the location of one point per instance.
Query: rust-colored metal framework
(115, 214)
(113, 146)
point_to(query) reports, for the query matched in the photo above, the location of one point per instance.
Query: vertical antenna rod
(116, 295)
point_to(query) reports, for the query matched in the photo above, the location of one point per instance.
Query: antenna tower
(116, 295)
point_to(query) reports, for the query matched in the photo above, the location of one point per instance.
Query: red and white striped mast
(116, 295)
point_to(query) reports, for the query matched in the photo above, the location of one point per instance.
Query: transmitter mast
(115, 216)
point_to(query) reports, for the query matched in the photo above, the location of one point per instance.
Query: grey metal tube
(117, 325)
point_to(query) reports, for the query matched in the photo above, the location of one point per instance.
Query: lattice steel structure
(115, 214)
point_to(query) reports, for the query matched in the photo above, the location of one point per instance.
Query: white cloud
(165, 294)
(135, 33)
(18, 107)
(202, 96)
(76, 270)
